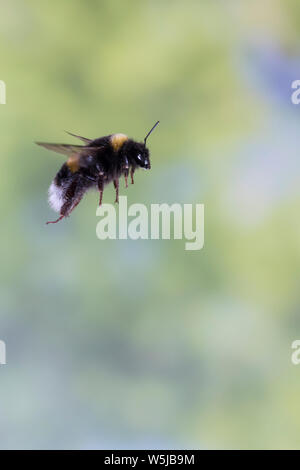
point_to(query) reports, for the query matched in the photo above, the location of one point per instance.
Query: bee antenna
(151, 130)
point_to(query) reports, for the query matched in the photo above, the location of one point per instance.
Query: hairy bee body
(80, 174)
(94, 165)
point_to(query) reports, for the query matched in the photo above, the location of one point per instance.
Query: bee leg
(116, 185)
(131, 174)
(65, 211)
(55, 221)
(76, 204)
(100, 187)
(126, 171)
(126, 178)
(100, 181)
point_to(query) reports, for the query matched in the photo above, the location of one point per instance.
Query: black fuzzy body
(94, 166)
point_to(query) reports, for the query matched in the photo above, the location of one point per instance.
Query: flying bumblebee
(93, 165)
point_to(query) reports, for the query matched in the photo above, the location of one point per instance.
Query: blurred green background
(141, 344)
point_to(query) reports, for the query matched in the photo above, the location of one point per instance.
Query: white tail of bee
(55, 197)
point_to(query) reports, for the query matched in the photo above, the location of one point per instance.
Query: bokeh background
(141, 344)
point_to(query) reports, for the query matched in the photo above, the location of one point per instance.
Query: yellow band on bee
(73, 163)
(117, 140)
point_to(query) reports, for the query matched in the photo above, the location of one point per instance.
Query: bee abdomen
(56, 192)
(55, 196)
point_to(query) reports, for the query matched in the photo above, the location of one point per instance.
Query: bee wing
(76, 153)
(69, 150)
(84, 139)
(63, 149)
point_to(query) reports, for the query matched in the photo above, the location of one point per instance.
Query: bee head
(141, 156)
(138, 152)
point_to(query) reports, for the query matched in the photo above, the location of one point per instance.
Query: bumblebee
(94, 165)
